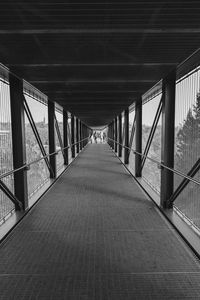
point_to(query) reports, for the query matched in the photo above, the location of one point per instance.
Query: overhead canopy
(96, 57)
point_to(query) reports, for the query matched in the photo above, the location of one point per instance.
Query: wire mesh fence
(150, 171)
(6, 160)
(187, 142)
(38, 174)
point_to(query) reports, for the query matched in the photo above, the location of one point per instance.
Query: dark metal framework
(18, 139)
(52, 147)
(115, 133)
(19, 107)
(126, 140)
(78, 139)
(166, 107)
(10, 195)
(167, 142)
(72, 136)
(77, 135)
(65, 137)
(120, 135)
(193, 171)
(151, 134)
(59, 137)
(37, 136)
(132, 134)
(138, 138)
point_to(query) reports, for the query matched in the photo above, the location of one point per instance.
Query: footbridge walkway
(96, 235)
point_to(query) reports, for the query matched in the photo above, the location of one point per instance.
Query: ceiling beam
(41, 65)
(101, 31)
(93, 81)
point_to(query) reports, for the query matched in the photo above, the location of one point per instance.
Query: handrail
(26, 166)
(159, 163)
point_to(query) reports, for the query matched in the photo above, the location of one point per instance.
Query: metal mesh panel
(187, 142)
(6, 160)
(38, 173)
(150, 172)
(59, 156)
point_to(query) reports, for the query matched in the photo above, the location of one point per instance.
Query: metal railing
(26, 167)
(13, 199)
(160, 164)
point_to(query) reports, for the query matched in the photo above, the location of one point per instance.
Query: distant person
(104, 137)
(90, 138)
(98, 137)
(95, 137)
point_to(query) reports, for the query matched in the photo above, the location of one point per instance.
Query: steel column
(77, 135)
(116, 134)
(120, 135)
(18, 139)
(138, 138)
(86, 134)
(167, 146)
(81, 135)
(52, 144)
(113, 135)
(108, 135)
(65, 137)
(72, 136)
(126, 140)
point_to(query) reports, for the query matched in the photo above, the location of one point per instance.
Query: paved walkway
(94, 235)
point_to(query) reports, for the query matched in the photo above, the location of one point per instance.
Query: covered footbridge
(112, 218)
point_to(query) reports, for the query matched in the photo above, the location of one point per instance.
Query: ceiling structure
(97, 57)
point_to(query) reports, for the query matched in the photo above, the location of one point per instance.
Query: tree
(187, 153)
(188, 139)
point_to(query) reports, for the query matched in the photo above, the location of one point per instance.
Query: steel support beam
(132, 135)
(116, 134)
(65, 137)
(77, 135)
(52, 144)
(59, 137)
(126, 140)
(10, 195)
(167, 145)
(18, 139)
(81, 135)
(138, 138)
(83, 128)
(120, 135)
(113, 134)
(110, 143)
(86, 129)
(36, 133)
(193, 171)
(108, 135)
(152, 132)
(72, 136)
